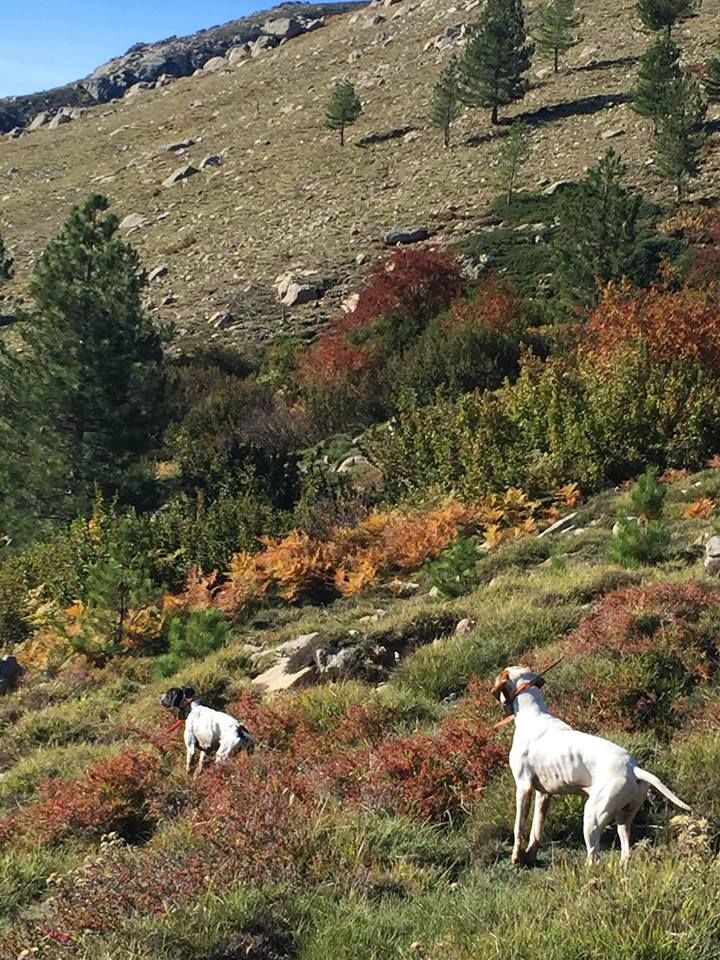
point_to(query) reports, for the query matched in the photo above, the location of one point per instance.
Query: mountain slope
(286, 195)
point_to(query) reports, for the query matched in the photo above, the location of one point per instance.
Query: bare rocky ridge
(281, 198)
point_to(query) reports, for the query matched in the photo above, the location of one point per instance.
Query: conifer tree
(680, 135)
(343, 108)
(711, 80)
(496, 57)
(512, 155)
(664, 14)
(597, 234)
(558, 23)
(659, 66)
(445, 106)
(83, 401)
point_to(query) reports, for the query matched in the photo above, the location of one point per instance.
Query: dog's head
(248, 740)
(507, 682)
(178, 699)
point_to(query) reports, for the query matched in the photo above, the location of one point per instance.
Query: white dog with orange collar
(551, 759)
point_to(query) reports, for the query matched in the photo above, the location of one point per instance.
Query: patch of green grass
(23, 876)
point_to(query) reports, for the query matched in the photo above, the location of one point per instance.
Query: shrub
(191, 637)
(453, 573)
(648, 495)
(638, 543)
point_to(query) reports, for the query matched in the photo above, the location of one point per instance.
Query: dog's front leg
(542, 802)
(523, 796)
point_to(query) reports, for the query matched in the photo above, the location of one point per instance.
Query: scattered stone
(133, 221)
(235, 54)
(559, 526)
(336, 663)
(403, 235)
(263, 43)
(158, 272)
(354, 463)
(556, 187)
(611, 134)
(303, 642)
(300, 293)
(349, 304)
(220, 320)
(182, 173)
(212, 160)
(466, 625)
(284, 28)
(178, 145)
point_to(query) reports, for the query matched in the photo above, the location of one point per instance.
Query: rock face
(712, 557)
(151, 63)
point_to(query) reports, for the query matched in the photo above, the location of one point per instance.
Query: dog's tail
(657, 783)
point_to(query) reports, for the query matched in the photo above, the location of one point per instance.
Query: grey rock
(303, 642)
(402, 235)
(10, 671)
(132, 221)
(212, 160)
(182, 173)
(354, 464)
(556, 187)
(215, 64)
(336, 663)
(158, 272)
(235, 54)
(284, 28)
(220, 320)
(39, 121)
(177, 145)
(300, 293)
(712, 556)
(58, 120)
(263, 43)
(466, 625)
(611, 134)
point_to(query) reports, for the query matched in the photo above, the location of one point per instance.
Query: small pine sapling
(659, 66)
(343, 108)
(558, 22)
(513, 153)
(681, 134)
(445, 106)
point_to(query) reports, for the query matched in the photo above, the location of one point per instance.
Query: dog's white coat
(208, 730)
(549, 758)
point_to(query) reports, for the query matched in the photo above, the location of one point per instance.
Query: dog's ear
(502, 686)
(189, 693)
(540, 682)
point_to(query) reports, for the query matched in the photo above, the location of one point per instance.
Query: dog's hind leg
(189, 753)
(595, 817)
(201, 763)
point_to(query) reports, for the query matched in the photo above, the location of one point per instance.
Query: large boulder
(215, 64)
(712, 556)
(284, 28)
(39, 121)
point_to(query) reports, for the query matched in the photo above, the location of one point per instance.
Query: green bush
(648, 495)
(637, 544)
(191, 637)
(453, 573)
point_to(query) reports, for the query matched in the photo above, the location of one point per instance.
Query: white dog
(206, 729)
(550, 758)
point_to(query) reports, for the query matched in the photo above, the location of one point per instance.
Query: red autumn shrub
(683, 324)
(646, 650)
(414, 284)
(112, 797)
(493, 306)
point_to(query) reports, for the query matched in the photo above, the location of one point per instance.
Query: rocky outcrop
(151, 63)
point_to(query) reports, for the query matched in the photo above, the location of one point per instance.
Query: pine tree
(681, 135)
(496, 57)
(512, 155)
(83, 402)
(659, 66)
(445, 106)
(664, 14)
(711, 79)
(597, 235)
(343, 108)
(556, 36)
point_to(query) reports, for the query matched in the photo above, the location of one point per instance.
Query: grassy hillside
(375, 819)
(287, 195)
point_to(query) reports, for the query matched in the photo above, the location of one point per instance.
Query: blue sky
(46, 43)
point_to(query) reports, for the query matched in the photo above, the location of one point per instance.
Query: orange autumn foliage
(674, 325)
(700, 510)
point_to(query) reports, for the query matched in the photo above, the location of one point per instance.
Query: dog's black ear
(540, 682)
(189, 693)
